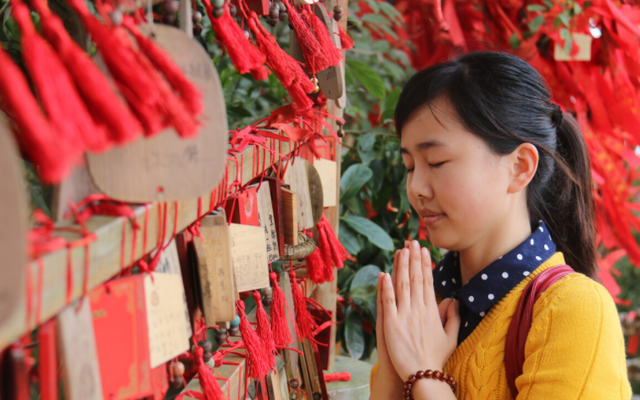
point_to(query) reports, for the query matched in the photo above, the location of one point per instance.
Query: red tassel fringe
(256, 354)
(96, 91)
(332, 249)
(244, 55)
(279, 326)
(305, 323)
(189, 93)
(286, 69)
(34, 133)
(315, 59)
(210, 388)
(263, 328)
(334, 55)
(345, 40)
(60, 98)
(316, 267)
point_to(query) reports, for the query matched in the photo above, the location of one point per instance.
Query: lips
(431, 217)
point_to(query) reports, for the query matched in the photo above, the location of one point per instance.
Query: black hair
(503, 100)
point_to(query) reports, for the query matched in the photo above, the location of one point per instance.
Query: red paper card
(243, 207)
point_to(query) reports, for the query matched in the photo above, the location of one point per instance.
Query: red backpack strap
(521, 321)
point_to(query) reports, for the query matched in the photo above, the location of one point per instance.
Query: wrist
(427, 389)
(415, 386)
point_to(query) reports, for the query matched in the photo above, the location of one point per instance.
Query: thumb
(452, 326)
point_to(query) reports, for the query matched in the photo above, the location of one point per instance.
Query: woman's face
(455, 182)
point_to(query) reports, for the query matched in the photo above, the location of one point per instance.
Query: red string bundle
(244, 55)
(315, 59)
(337, 377)
(263, 328)
(65, 109)
(279, 326)
(334, 55)
(189, 93)
(332, 249)
(345, 40)
(210, 388)
(288, 70)
(96, 91)
(305, 323)
(34, 134)
(257, 356)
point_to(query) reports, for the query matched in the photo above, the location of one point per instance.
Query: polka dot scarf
(496, 280)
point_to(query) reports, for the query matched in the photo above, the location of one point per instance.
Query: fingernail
(387, 277)
(405, 253)
(425, 252)
(416, 245)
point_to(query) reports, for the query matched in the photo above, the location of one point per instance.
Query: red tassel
(279, 326)
(189, 93)
(337, 377)
(244, 55)
(288, 70)
(315, 59)
(305, 323)
(256, 354)
(316, 267)
(345, 40)
(210, 388)
(263, 328)
(132, 80)
(56, 90)
(334, 55)
(337, 251)
(95, 89)
(34, 133)
(48, 361)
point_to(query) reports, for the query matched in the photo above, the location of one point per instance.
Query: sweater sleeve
(575, 349)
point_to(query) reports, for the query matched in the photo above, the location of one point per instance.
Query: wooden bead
(317, 396)
(206, 356)
(267, 300)
(221, 337)
(217, 3)
(178, 369)
(412, 379)
(196, 17)
(168, 19)
(206, 345)
(232, 10)
(170, 6)
(235, 331)
(419, 374)
(294, 384)
(176, 383)
(337, 9)
(283, 15)
(218, 12)
(197, 29)
(266, 291)
(428, 373)
(116, 17)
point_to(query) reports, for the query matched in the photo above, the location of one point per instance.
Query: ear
(523, 166)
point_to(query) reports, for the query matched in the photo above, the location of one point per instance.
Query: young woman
(501, 178)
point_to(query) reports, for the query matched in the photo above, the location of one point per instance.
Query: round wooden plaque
(166, 167)
(13, 229)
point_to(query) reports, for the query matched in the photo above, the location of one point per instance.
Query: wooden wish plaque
(290, 216)
(249, 257)
(217, 282)
(78, 352)
(13, 229)
(166, 167)
(328, 172)
(268, 222)
(316, 194)
(297, 178)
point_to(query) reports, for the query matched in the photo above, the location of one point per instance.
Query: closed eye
(436, 165)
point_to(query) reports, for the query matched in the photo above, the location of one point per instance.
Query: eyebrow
(424, 145)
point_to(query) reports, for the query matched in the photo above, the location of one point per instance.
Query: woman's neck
(504, 237)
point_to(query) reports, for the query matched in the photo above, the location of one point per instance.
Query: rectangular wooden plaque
(290, 216)
(249, 257)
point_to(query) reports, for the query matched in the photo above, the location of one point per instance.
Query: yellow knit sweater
(575, 349)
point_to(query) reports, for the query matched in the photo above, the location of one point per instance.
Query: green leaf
(391, 12)
(536, 23)
(548, 3)
(365, 282)
(367, 77)
(354, 334)
(564, 17)
(514, 42)
(370, 230)
(349, 239)
(577, 8)
(536, 8)
(352, 181)
(376, 19)
(365, 147)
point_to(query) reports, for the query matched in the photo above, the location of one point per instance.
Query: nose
(419, 185)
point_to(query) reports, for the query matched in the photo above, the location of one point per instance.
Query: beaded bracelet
(408, 385)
